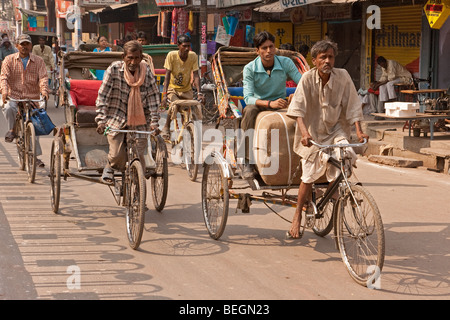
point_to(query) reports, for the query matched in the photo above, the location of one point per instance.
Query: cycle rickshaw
(78, 139)
(353, 214)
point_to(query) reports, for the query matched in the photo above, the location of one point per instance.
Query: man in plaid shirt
(23, 76)
(127, 98)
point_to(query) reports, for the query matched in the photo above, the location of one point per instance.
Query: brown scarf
(135, 112)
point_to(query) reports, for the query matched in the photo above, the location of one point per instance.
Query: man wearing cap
(23, 76)
(6, 48)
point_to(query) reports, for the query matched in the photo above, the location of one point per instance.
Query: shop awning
(33, 12)
(274, 7)
(287, 4)
(113, 7)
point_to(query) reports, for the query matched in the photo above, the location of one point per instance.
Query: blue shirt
(258, 85)
(25, 61)
(99, 73)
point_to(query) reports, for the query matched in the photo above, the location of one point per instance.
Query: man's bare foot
(294, 232)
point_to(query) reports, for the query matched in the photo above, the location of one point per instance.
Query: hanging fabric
(191, 21)
(183, 20)
(173, 36)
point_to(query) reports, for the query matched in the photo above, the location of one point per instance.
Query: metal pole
(203, 43)
(77, 29)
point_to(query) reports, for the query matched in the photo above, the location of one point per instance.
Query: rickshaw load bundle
(273, 149)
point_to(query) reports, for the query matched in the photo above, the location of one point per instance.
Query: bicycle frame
(132, 155)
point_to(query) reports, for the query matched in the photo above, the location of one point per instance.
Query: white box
(401, 109)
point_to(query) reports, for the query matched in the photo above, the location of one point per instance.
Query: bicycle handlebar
(324, 146)
(108, 129)
(26, 100)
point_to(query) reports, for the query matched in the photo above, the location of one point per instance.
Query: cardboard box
(401, 109)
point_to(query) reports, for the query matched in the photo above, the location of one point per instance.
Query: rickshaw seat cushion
(84, 92)
(276, 161)
(85, 116)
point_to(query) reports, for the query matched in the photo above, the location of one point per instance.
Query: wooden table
(441, 91)
(419, 116)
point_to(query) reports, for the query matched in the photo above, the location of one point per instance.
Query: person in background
(393, 72)
(180, 65)
(45, 52)
(142, 39)
(303, 49)
(6, 48)
(103, 46)
(23, 76)
(287, 46)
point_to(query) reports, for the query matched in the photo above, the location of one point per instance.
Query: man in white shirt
(324, 105)
(393, 72)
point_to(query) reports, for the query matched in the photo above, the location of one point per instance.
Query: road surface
(82, 252)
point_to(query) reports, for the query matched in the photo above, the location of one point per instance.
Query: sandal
(108, 175)
(290, 237)
(165, 133)
(39, 163)
(9, 137)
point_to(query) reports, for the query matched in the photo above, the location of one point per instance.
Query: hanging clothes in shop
(183, 20)
(191, 21)
(32, 23)
(173, 36)
(167, 24)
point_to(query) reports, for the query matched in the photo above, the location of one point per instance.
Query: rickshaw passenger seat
(84, 94)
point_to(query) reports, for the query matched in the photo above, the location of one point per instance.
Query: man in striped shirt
(127, 98)
(23, 76)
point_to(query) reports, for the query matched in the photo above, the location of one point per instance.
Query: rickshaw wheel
(215, 199)
(135, 204)
(55, 177)
(160, 180)
(30, 152)
(189, 152)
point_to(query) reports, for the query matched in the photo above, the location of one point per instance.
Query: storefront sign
(286, 4)
(147, 8)
(87, 3)
(170, 3)
(17, 13)
(232, 3)
(341, 12)
(437, 12)
(61, 8)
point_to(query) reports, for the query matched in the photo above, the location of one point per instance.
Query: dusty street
(82, 252)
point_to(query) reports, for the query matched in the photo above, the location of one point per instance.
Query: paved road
(82, 252)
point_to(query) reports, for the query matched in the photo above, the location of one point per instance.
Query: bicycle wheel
(56, 93)
(360, 235)
(189, 151)
(135, 204)
(30, 151)
(210, 111)
(55, 176)
(20, 143)
(215, 199)
(324, 220)
(160, 180)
